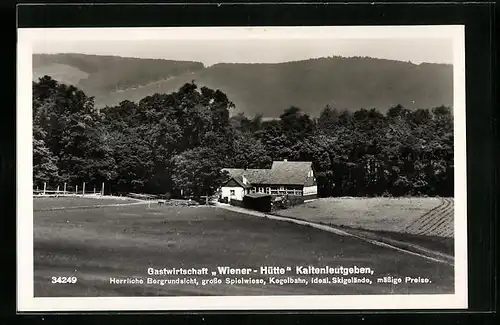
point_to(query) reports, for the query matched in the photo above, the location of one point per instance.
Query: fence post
(44, 187)
(57, 191)
(102, 189)
(76, 190)
(94, 189)
(83, 191)
(64, 191)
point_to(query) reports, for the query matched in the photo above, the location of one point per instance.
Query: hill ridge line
(345, 83)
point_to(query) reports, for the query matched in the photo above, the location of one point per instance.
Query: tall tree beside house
(249, 152)
(162, 126)
(206, 126)
(199, 172)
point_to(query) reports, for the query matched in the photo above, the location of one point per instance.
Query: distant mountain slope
(61, 72)
(350, 83)
(111, 73)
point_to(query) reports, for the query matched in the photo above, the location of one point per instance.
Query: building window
(231, 192)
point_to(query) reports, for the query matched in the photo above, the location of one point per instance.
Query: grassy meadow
(123, 241)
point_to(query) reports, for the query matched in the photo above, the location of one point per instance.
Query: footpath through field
(366, 236)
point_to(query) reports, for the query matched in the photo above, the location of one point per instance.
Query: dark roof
(238, 180)
(254, 176)
(290, 172)
(281, 173)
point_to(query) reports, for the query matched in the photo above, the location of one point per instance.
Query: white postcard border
(26, 302)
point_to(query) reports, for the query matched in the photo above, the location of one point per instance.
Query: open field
(47, 203)
(385, 214)
(97, 244)
(427, 222)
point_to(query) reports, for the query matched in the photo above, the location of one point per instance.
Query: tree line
(166, 143)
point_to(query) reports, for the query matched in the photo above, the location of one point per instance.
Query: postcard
(241, 168)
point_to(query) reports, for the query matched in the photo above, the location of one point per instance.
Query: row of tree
(180, 141)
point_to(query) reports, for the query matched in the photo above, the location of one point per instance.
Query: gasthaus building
(284, 178)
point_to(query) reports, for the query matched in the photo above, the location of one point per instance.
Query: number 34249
(64, 279)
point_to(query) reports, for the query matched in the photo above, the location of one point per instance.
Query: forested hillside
(344, 83)
(101, 75)
(181, 140)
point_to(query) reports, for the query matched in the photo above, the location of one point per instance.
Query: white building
(293, 178)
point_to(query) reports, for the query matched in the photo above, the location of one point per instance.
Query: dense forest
(181, 140)
(268, 88)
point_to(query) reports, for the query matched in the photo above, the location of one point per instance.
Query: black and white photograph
(242, 168)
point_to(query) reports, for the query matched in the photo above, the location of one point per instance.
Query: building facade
(284, 178)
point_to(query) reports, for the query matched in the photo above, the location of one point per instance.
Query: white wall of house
(310, 190)
(235, 193)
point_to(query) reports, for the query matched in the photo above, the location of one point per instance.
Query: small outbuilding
(257, 201)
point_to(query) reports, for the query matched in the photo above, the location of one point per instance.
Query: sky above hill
(209, 52)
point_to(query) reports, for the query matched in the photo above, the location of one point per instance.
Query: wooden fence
(68, 190)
